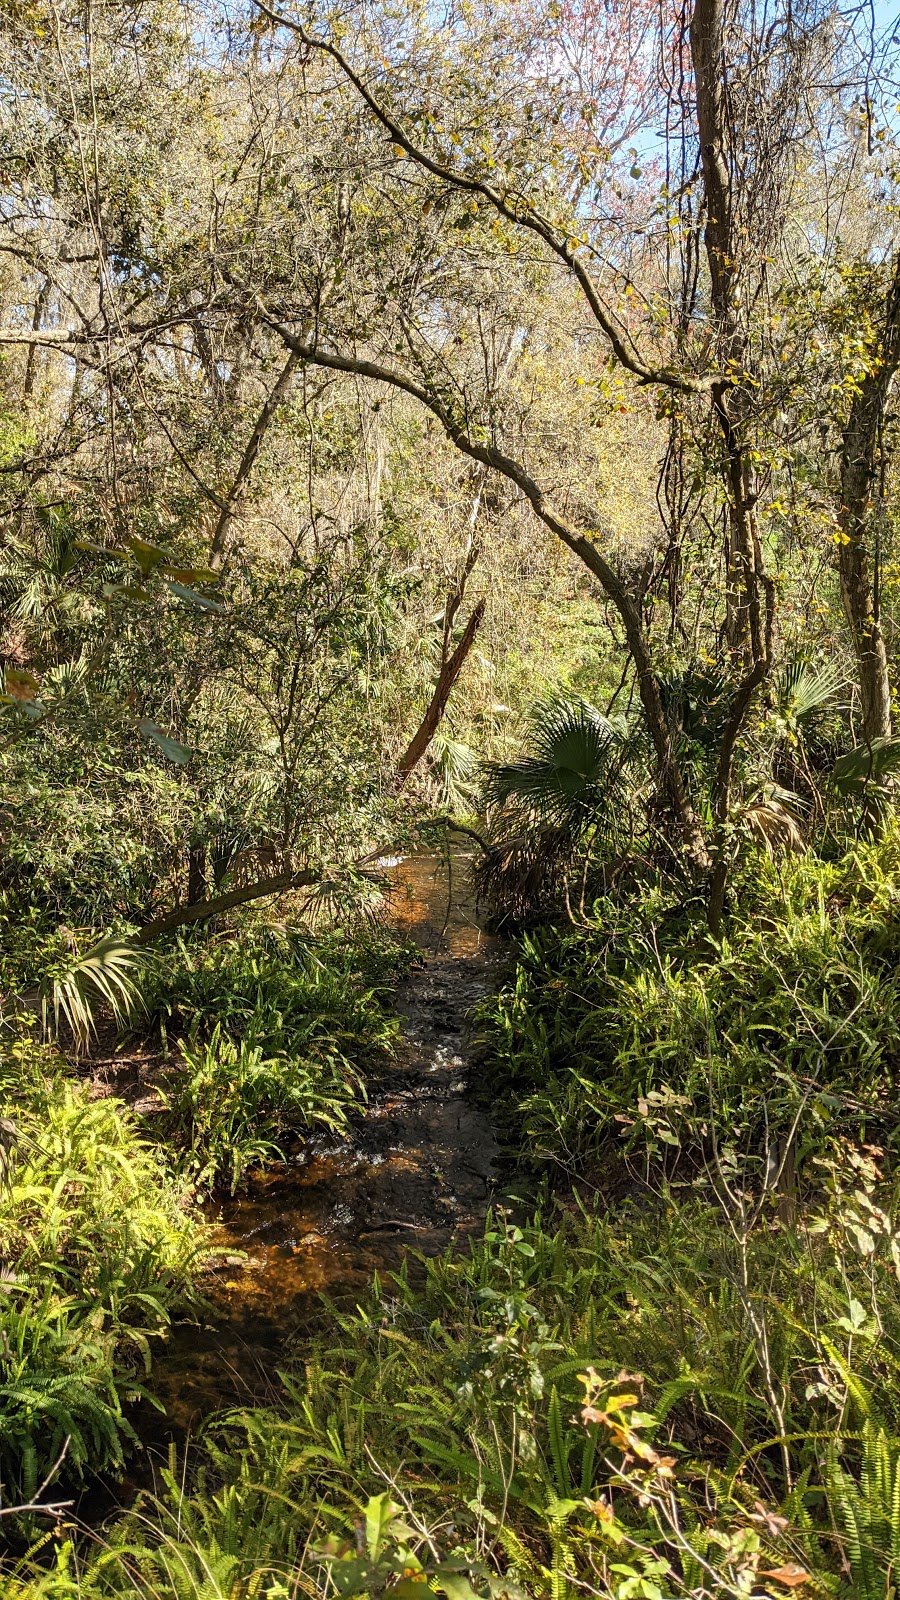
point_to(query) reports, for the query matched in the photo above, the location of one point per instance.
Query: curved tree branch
(587, 552)
(201, 910)
(516, 209)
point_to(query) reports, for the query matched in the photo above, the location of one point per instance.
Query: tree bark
(201, 910)
(749, 590)
(196, 889)
(451, 668)
(732, 400)
(857, 561)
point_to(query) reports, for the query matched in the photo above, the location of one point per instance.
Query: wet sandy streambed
(413, 1172)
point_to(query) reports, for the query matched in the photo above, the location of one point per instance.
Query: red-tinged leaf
(601, 1509)
(770, 1520)
(790, 1575)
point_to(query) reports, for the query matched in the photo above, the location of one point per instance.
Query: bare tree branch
(517, 209)
(581, 546)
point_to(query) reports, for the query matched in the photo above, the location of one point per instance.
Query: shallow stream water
(412, 1172)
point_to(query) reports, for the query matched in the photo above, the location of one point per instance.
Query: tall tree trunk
(731, 401)
(857, 559)
(40, 306)
(750, 592)
(196, 873)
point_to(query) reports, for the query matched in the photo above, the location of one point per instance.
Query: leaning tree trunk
(857, 557)
(452, 661)
(450, 669)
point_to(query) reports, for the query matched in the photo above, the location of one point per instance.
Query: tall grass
(754, 1384)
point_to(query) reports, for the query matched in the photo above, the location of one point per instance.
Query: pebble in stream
(413, 1172)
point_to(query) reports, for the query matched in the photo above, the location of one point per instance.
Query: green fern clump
(98, 1247)
(278, 1032)
(279, 991)
(231, 1104)
(665, 1033)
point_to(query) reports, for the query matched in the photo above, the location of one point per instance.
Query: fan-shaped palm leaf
(457, 769)
(865, 765)
(566, 795)
(574, 771)
(802, 689)
(696, 705)
(868, 775)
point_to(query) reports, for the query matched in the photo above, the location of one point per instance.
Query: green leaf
(169, 747)
(453, 1584)
(352, 1576)
(125, 591)
(866, 764)
(101, 549)
(146, 555)
(194, 596)
(380, 1513)
(192, 575)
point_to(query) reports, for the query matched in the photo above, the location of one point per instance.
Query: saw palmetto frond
(104, 976)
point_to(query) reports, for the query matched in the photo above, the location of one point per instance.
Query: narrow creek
(413, 1172)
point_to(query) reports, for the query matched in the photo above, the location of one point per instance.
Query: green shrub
(98, 1246)
(666, 1040)
(278, 1034)
(230, 1105)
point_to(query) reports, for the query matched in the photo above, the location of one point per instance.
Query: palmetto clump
(572, 794)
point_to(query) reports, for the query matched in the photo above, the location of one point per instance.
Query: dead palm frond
(771, 818)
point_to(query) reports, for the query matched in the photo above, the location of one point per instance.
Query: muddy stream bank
(413, 1172)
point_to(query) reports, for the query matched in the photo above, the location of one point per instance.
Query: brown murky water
(413, 1172)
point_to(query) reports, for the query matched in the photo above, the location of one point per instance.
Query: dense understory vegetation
(483, 419)
(639, 1034)
(99, 1249)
